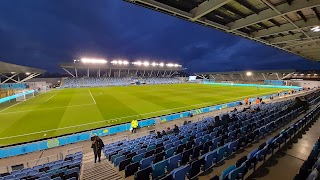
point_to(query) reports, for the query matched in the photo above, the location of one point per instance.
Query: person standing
(97, 146)
(134, 125)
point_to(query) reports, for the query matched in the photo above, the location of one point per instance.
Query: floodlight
(315, 74)
(249, 73)
(87, 60)
(139, 63)
(114, 62)
(301, 74)
(161, 64)
(154, 64)
(146, 63)
(125, 62)
(316, 29)
(308, 74)
(296, 74)
(176, 65)
(27, 73)
(170, 65)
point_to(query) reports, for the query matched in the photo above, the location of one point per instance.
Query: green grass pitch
(65, 111)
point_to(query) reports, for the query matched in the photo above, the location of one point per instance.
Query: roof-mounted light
(96, 61)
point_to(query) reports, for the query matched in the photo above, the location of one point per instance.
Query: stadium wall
(75, 138)
(302, 83)
(254, 85)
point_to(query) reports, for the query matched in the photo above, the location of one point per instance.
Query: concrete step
(98, 171)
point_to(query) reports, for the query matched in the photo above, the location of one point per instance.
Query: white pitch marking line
(47, 108)
(111, 120)
(50, 97)
(92, 97)
(17, 104)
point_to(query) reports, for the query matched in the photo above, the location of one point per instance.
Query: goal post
(23, 95)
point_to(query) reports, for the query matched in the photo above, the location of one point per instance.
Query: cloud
(44, 33)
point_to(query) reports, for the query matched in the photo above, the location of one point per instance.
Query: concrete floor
(286, 163)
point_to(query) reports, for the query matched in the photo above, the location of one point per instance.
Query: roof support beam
(234, 10)
(316, 12)
(304, 47)
(301, 43)
(270, 13)
(248, 6)
(9, 78)
(206, 7)
(30, 77)
(288, 38)
(284, 16)
(302, 16)
(289, 2)
(285, 27)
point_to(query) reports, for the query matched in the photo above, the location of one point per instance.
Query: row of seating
(190, 149)
(68, 168)
(267, 149)
(136, 144)
(310, 169)
(112, 81)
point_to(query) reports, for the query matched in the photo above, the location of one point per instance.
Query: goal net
(23, 95)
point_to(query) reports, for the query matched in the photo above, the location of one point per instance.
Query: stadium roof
(244, 72)
(13, 68)
(290, 25)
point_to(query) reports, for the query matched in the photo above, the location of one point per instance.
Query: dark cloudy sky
(42, 33)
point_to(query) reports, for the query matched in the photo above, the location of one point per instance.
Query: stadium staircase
(98, 171)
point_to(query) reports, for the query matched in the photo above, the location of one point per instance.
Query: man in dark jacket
(97, 146)
(176, 129)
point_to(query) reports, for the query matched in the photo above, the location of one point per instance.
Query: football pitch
(66, 111)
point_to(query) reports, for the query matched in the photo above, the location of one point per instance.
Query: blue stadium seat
(174, 161)
(170, 152)
(181, 172)
(159, 169)
(144, 163)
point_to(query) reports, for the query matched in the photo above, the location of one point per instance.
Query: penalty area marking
(18, 104)
(116, 119)
(50, 98)
(79, 105)
(92, 97)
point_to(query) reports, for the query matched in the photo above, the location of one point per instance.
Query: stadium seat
(181, 172)
(144, 163)
(143, 174)
(159, 169)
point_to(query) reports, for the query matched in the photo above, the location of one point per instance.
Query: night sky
(44, 33)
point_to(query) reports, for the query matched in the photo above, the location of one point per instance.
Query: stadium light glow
(170, 65)
(120, 62)
(96, 61)
(249, 73)
(13, 72)
(139, 63)
(146, 63)
(154, 64)
(161, 64)
(27, 73)
(316, 29)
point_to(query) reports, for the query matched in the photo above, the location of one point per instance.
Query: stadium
(251, 124)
